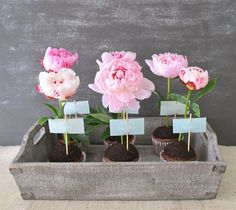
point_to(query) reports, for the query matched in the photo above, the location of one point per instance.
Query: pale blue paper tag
(73, 126)
(120, 127)
(171, 108)
(131, 111)
(80, 107)
(194, 125)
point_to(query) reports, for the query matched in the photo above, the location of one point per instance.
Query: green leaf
(53, 109)
(92, 110)
(178, 97)
(209, 87)
(158, 104)
(80, 138)
(106, 133)
(61, 112)
(91, 123)
(42, 120)
(101, 117)
(91, 128)
(156, 92)
(196, 109)
(89, 120)
(101, 110)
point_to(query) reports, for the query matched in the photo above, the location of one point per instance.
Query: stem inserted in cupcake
(195, 79)
(122, 85)
(60, 82)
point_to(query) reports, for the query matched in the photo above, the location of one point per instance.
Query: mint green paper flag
(120, 127)
(73, 126)
(194, 125)
(131, 111)
(80, 107)
(171, 108)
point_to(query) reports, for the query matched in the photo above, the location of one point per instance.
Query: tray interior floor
(95, 153)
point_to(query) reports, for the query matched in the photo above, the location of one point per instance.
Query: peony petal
(130, 56)
(142, 94)
(100, 64)
(148, 84)
(150, 64)
(133, 105)
(125, 96)
(107, 57)
(105, 100)
(145, 90)
(115, 105)
(95, 88)
(183, 75)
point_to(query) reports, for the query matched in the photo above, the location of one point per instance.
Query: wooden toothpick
(174, 115)
(127, 134)
(190, 118)
(75, 110)
(66, 137)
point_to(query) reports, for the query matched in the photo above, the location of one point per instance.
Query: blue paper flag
(120, 127)
(80, 107)
(73, 126)
(131, 111)
(171, 108)
(194, 125)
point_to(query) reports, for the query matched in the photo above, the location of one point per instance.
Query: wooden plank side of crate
(149, 179)
(118, 181)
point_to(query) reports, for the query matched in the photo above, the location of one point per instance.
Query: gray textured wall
(204, 30)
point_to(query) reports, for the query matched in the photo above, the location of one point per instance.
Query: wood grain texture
(204, 30)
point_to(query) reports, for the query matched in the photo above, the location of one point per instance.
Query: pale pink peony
(194, 78)
(55, 59)
(61, 85)
(121, 82)
(167, 64)
(107, 57)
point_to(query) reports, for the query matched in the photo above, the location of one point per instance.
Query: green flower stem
(59, 107)
(186, 108)
(168, 97)
(65, 135)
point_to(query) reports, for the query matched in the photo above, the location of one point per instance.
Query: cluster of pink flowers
(119, 78)
(171, 65)
(60, 81)
(121, 81)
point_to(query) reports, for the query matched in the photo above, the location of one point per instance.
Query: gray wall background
(204, 30)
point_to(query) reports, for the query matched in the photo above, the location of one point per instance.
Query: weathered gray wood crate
(149, 179)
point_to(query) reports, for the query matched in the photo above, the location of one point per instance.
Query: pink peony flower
(194, 78)
(121, 82)
(167, 65)
(60, 85)
(55, 59)
(107, 57)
